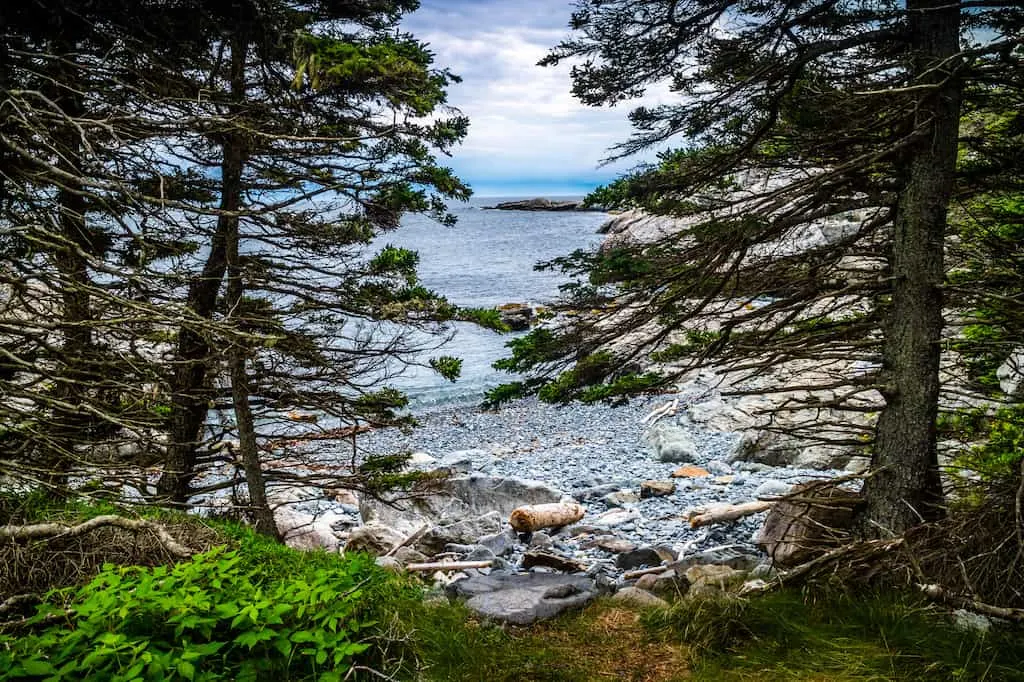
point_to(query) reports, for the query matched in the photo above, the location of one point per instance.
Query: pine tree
(187, 227)
(321, 144)
(794, 116)
(78, 107)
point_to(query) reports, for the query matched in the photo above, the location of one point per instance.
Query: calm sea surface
(486, 260)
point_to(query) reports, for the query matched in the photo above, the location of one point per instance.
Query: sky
(528, 136)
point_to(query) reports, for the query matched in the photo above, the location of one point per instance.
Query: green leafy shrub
(220, 616)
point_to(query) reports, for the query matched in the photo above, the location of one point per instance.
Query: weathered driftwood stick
(46, 531)
(533, 517)
(668, 409)
(941, 594)
(448, 565)
(723, 513)
(629, 575)
(410, 539)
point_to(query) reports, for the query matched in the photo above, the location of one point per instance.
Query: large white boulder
(671, 443)
(456, 499)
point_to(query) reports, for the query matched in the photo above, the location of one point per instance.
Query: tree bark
(190, 398)
(254, 481)
(76, 308)
(907, 489)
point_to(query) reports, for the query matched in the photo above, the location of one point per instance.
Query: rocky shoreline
(639, 484)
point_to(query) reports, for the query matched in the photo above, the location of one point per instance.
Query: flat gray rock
(522, 599)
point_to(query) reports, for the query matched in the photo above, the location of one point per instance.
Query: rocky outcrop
(540, 205)
(775, 432)
(373, 538)
(635, 596)
(515, 316)
(462, 532)
(710, 580)
(638, 227)
(458, 506)
(671, 442)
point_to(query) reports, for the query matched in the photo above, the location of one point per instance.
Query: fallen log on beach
(534, 517)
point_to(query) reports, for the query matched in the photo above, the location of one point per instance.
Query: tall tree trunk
(906, 489)
(190, 397)
(263, 516)
(72, 266)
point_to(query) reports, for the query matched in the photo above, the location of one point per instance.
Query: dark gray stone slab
(522, 599)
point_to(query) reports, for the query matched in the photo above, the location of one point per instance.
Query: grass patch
(602, 642)
(791, 635)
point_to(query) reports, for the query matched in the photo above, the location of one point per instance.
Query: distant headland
(541, 205)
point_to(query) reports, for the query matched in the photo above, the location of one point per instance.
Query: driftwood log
(630, 575)
(723, 513)
(448, 565)
(533, 517)
(47, 531)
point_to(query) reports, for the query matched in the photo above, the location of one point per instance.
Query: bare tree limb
(49, 531)
(941, 594)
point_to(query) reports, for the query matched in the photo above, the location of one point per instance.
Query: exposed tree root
(46, 531)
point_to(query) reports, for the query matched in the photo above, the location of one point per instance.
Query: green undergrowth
(247, 609)
(253, 609)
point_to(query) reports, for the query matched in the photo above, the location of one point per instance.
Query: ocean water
(486, 260)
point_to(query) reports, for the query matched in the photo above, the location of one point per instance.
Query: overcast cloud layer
(528, 135)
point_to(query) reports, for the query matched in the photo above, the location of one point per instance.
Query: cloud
(526, 129)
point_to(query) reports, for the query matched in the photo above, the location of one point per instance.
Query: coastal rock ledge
(540, 205)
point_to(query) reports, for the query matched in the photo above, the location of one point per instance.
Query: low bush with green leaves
(224, 615)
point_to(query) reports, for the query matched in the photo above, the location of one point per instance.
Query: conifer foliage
(189, 197)
(810, 153)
